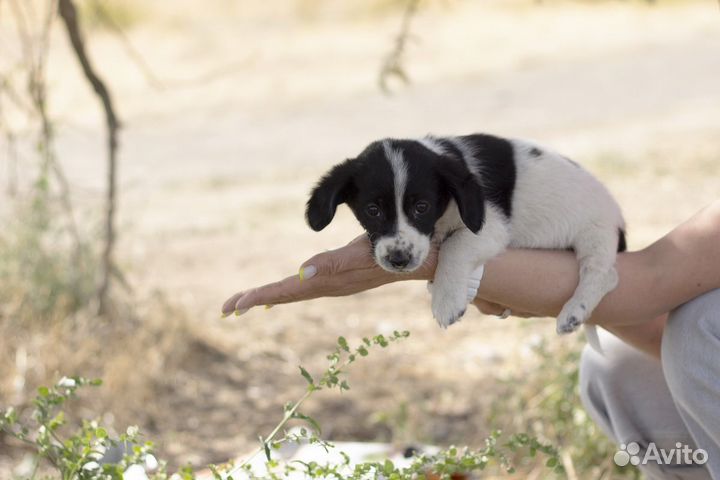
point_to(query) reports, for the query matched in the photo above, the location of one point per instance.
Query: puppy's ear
(333, 189)
(465, 190)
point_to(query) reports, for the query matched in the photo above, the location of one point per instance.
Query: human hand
(490, 308)
(344, 271)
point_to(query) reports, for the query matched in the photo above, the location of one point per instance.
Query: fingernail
(224, 315)
(241, 311)
(307, 272)
(268, 307)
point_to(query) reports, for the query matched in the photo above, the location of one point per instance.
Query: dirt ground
(259, 101)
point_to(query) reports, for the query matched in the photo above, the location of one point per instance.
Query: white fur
(460, 254)
(406, 238)
(556, 204)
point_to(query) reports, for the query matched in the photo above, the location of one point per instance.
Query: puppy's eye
(372, 210)
(421, 207)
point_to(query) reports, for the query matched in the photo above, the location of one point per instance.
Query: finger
(229, 305)
(488, 308)
(288, 290)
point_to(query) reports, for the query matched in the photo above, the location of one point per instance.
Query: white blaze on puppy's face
(407, 248)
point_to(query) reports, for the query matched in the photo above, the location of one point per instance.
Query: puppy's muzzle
(398, 259)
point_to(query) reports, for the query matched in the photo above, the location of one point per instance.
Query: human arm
(678, 267)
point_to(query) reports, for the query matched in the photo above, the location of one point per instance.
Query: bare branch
(12, 163)
(132, 52)
(68, 13)
(392, 66)
(151, 77)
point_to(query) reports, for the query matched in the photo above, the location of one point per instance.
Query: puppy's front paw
(448, 304)
(571, 317)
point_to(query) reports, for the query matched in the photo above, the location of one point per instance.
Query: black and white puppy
(476, 195)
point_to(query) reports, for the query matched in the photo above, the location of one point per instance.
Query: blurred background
(228, 112)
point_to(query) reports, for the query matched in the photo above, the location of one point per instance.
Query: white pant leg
(625, 393)
(691, 362)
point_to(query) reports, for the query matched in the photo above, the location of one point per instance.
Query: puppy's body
(476, 195)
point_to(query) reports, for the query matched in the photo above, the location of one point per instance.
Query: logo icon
(627, 454)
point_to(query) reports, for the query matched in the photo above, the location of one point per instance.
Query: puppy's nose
(398, 258)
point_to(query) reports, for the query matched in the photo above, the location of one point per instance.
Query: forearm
(645, 336)
(680, 266)
(541, 281)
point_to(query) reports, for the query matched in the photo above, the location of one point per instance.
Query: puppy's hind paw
(570, 319)
(568, 326)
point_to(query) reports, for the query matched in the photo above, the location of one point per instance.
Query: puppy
(475, 196)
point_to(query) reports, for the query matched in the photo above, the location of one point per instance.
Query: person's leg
(625, 393)
(691, 362)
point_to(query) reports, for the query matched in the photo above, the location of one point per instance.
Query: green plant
(77, 454)
(46, 271)
(545, 401)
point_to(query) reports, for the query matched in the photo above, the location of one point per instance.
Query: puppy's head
(397, 189)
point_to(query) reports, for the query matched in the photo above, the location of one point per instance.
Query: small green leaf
(43, 391)
(266, 448)
(343, 344)
(56, 422)
(315, 425)
(11, 415)
(362, 351)
(307, 376)
(216, 475)
(388, 467)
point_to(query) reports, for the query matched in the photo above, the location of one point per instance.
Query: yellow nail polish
(301, 274)
(224, 315)
(268, 307)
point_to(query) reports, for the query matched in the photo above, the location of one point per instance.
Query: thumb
(353, 256)
(322, 264)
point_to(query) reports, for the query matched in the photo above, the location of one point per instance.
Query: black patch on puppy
(422, 184)
(494, 158)
(334, 188)
(449, 148)
(436, 179)
(373, 182)
(535, 152)
(366, 184)
(622, 244)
